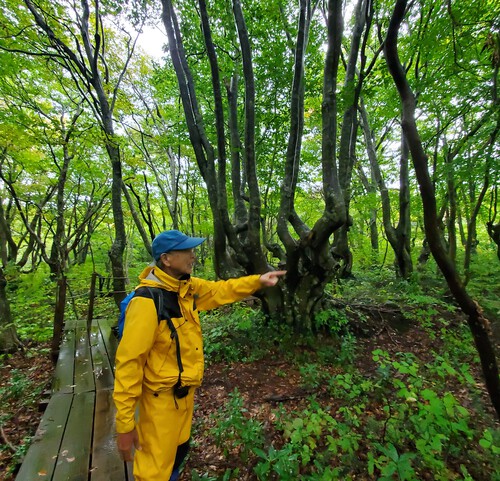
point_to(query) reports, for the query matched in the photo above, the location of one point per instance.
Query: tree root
(7, 442)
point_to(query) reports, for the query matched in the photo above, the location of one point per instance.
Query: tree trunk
(311, 262)
(452, 211)
(8, 247)
(371, 190)
(478, 324)
(403, 260)
(348, 136)
(238, 174)
(59, 310)
(494, 233)
(398, 237)
(204, 152)
(252, 244)
(138, 224)
(83, 63)
(471, 227)
(58, 254)
(120, 240)
(471, 231)
(9, 342)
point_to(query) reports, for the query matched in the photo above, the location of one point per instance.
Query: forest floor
(272, 382)
(263, 384)
(21, 407)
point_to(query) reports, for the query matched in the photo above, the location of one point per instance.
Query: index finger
(278, 273)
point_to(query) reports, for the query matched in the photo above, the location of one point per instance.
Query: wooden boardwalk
(75, 440)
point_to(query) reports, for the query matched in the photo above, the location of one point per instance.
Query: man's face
(179, 263)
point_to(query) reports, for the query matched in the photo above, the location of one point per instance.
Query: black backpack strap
(158, 299)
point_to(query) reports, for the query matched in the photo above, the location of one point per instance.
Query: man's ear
(165, 260)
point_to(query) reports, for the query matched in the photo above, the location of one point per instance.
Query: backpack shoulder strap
(157, 294)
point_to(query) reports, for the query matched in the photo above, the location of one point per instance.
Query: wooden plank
(64, 370)
(84, 376)
(70, 324)
(130, 471)
(103, 372)
(40, 460)
(106, 462)
(110, 340)
(73, 461)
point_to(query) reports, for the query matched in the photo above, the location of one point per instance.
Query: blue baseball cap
(173, 240)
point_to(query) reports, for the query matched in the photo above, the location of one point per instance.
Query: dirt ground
(262, 384)
(19, 420)
(270, 382)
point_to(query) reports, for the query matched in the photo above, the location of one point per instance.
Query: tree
(309, 262)
(478, 324)
(98, 84)
(9, 341)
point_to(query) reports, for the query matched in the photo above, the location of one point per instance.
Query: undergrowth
(407, 418)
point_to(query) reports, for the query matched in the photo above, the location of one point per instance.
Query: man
(159, 361)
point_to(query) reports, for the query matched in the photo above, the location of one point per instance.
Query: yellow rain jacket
(146, 356)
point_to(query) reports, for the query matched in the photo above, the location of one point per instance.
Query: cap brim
(190, 243)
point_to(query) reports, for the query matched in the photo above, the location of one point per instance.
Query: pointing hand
(270, 279)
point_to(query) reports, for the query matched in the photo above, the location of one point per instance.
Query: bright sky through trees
(152, 40)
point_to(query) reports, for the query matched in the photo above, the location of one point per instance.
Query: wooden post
(90, 312)
(58, 318)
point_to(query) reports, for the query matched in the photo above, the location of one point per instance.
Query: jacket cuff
(124, 427)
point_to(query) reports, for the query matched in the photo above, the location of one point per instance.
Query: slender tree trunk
(403, 230)
(118, 247)
(83, 64)
(204, 151)
(146, 239)
(252, 245)
(494, 233)
(59, 310)
(371, 190)
(398, 237)
(9, 342)
(238, 175)
(452, 211)
(8, 247)
(479, 325)
(348, 137)
(472, 225)
(58, 254)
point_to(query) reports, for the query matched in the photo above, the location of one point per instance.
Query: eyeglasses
(182, 251)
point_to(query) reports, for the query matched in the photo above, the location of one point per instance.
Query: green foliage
(31, 303)
(275, 463)
(240, 333)
(491, 441)
(404, 421)
(20, 388)
(236, 431)
(390, 463)
(22, 391)
(335, 323)
(428, 425)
